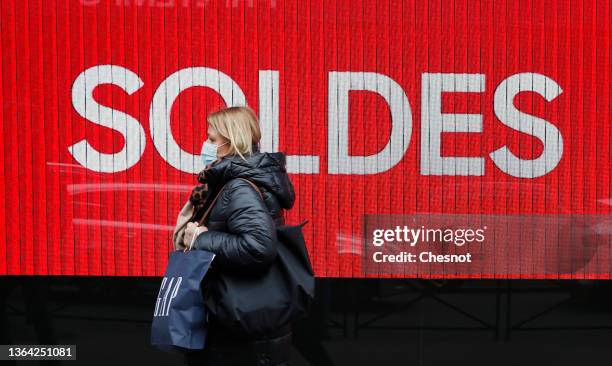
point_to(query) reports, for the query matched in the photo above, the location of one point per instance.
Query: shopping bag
(285, 290)
(179, 317)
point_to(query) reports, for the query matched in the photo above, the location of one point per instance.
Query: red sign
(466, 107)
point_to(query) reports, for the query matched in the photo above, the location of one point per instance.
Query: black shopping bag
(179, 317)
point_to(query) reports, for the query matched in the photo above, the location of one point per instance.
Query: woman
(240, 228)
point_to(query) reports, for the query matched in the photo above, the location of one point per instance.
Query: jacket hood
(267, 170)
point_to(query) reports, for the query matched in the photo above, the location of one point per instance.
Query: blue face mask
(209, 152)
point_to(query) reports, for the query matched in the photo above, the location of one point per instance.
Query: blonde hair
(239, 125)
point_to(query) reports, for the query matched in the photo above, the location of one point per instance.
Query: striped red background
(59, 218)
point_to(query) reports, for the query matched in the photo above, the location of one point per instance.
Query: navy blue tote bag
(179, 318)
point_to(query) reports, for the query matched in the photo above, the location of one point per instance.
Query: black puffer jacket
(241, 229)
(242, 234)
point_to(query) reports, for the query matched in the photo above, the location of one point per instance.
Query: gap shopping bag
(179, 318)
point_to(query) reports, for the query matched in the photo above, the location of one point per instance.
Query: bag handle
(254, 186)
(304, 222)
(212, 204)
(209, 209)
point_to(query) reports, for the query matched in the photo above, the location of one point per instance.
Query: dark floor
(454, 322)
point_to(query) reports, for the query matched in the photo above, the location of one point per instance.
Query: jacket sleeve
(250, 243)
